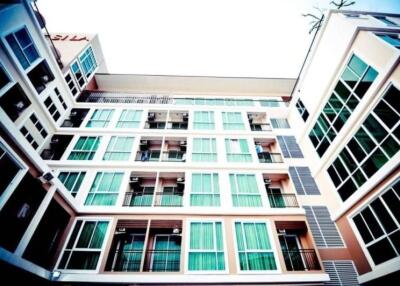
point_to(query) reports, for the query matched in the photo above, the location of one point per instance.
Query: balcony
(178, 120)
(156, 120)
(258, 121)
(282, 200)
(76, 117)
(163, 260)
(174, 156)
(297, 246)
(279, 195)
(140, 191)
(14, 102)
(174, 150)
(260, 127)
(267, 157)
(169, 197)
(161, 254)
(41, 76)
(146, 190)
(155, 125)
(140, 197)
(301, 260)
(266, 150)
(177, 125)
(149, 149)
(148, 155)
(56, 148)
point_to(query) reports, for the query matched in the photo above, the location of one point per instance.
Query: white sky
(255, 38)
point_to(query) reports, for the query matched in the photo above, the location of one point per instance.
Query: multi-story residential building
(140, 179)
(347, 125)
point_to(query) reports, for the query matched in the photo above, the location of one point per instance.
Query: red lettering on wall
(72, 38)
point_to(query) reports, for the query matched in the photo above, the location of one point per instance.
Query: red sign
(72, 38)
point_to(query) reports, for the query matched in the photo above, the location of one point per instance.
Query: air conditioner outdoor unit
(73, 114)
(120, 230)
(55, 140)
(267, 181)
(134, 179)
(46, 178)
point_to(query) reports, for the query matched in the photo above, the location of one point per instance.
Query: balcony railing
(153, 155)
(174, 156)
(283, 201)
(266, 157)
(155, 125)
(127, 260)
(162, 260)
(155, 261)
(139, 198)
(116, 97)
(260, 127)
(301, 260)
(177, 125)
(171, 198)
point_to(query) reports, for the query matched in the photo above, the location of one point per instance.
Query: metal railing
(177, 125)
(114, 97)
(283, 200)
(301, 260)
(155, 125)
(123, 97)
(260, 127)
(127, 260)
(153, 155)
(138, 198)
(162, 260)
(267, 157)
(173, 156)
(173, 198)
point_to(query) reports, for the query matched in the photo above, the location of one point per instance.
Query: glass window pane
(340, 169)
(347, 189)
(375, 128)
(86, 234)
(393, 203)
(334, 177)
(392, 97)
(348, 160)
(374, 162)
(383, 215)
(390, 146)
(357, 65)
(366, 142)
(362, 228)
(342, 91)
(381, 251)
(349, 77)
(386, 114)
(395, 239)
(17, 51)
(366, 82)
(352, 103)
(372, 223)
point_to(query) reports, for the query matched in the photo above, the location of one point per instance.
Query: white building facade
(136, 179)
